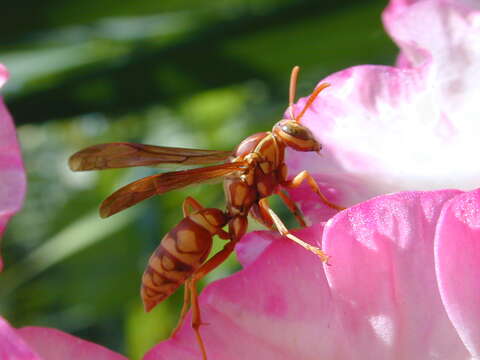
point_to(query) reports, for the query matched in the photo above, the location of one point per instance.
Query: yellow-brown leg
(194, 204)
(223, 235)
(203, 270)
(185, 306)
(214, 261)
(282, 229)
(292, 206)
(196, 318)
(305, 175)
(259, 214)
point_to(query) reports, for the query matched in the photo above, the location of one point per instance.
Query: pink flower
(402, 284)
(12, 174)
(36, 343)
(403, 280)
(410, 127)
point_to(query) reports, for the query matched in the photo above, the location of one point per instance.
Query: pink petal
(3, 75)
(12, 346)
(253, 244)
(12, 173)
(279, 307)
(52, 344)
(412, 127)
(382, 277)
(450, 24)
(381, 300)
(457, 250)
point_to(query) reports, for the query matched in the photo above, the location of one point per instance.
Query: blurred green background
(187, 73)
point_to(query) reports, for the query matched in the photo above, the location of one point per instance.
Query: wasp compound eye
(294, 129)
(296, 136)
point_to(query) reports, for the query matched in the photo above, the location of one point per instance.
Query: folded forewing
(144, 188)
(122, 154)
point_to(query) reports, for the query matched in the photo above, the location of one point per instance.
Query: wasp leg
(293, 207)
(305, 175)
(185, 306)
(261, 216)
(260, 211)
(282, 229)
(196, 318)
(208, 266)
(194, 204)
(223, 235)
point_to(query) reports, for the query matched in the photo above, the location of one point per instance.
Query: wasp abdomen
(179, 254)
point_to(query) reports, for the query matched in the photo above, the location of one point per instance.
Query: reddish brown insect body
(253, 172)
(181, 252)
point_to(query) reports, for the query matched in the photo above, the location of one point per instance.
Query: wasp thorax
(296, 136)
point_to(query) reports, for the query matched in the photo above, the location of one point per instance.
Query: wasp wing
(158, 184)
(123, 154)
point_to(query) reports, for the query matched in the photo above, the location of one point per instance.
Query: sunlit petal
(458, 266)
(383, 280)
(412, 127)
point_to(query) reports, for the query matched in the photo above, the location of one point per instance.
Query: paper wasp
(252, 173)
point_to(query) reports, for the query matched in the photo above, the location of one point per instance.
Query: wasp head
(295, 135)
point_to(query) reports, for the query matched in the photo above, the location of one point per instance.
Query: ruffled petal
(382, 278)
(52, 344)
(412, 127)
(379, 298)
(457, 250)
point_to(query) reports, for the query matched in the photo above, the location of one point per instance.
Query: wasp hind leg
(203, 270)
(185, 307)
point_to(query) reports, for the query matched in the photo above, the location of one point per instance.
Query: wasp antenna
(293, 85)
(293, 89)
(311, 99)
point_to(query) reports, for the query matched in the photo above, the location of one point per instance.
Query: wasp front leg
(305, 175)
